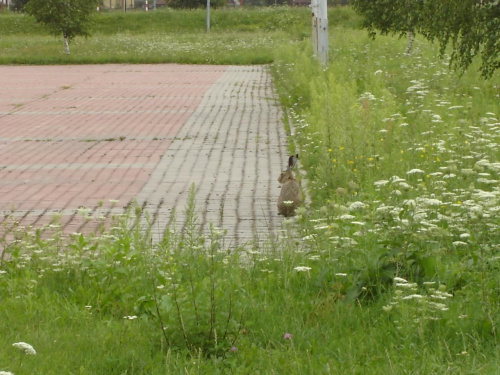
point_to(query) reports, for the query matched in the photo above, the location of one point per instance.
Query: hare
(290, 197)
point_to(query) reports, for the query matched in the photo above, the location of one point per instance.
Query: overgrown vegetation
(392, 269)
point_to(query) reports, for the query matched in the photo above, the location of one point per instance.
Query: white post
(208, 16)
(146, 6)
(323, 31)
(314, 9)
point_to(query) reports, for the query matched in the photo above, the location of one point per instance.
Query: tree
(18, 5)
(391, 16)
(70, 18)
(193, 4)
(470, 27)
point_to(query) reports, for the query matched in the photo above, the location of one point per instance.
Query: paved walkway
(76, 139)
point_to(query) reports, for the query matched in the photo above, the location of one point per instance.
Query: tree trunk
(66, 45)
(410, 43)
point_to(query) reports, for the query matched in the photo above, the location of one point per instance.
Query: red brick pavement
(80, 136)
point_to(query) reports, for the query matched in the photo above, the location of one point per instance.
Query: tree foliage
(193, 4)
(70, 18)
(470, 27)
(18, 5)
(390, 16)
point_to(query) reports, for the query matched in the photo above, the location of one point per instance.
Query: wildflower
(130, 317)
(429, 202)
(302, 269)
(300, 211)
(287, 336)
(310, 237)
(436, 118)
(413, 296)
(442, 295)
(407, 285)
(352, 185)
(347, 217)
(341, 191)
(400, 280)
(410, 203)
(360, 223)
(381, 183)
(415, 171)
(24, 347)
(438, 306)
(234, 349)
(356, 206)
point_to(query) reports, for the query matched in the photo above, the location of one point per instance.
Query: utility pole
(208, 16)
(314, 9)
(320, 30)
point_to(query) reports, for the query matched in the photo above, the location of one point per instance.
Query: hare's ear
(292, 160)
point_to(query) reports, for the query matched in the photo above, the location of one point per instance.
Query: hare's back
(291, 191)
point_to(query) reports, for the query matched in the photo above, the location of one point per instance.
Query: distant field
(164, 36)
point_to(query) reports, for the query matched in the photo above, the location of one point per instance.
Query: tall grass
(401, 156)
(393, 268)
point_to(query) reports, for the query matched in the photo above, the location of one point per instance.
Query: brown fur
(290, 192)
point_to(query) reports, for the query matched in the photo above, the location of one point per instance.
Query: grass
(164, 36)
(392, 269)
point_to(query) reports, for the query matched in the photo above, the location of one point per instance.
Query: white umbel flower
(302, 269)
(25, 347)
